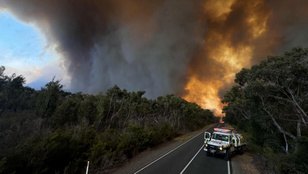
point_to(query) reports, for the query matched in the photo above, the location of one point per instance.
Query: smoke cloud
(190, 48)
(138, 45)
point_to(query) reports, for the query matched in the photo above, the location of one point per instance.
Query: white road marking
(166, 154)
(191, 160)
(228, 162)
(229, 168)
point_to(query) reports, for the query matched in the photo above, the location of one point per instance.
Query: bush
(54, 153)
(133, 140)
(300, 155)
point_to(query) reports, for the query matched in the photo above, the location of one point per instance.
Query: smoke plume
(190, 48)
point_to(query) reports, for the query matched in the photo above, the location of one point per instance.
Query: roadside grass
(271, 160)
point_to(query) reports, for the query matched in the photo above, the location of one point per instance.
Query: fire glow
(220, 49)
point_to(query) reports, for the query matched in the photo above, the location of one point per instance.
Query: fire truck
(223, 141)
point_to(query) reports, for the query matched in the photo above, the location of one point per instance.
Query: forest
(54, 131)
(269, 102)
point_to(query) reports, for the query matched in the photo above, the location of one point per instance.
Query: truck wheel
(228, 155)
(241, 150)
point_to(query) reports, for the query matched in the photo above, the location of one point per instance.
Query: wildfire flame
(205, 94)
(219, 48)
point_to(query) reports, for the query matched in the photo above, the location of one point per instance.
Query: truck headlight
(220, 148)
(206, 145)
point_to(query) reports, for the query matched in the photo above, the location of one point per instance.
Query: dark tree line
(53, 131)
(270, 100)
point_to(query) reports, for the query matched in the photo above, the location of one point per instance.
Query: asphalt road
(187, 158)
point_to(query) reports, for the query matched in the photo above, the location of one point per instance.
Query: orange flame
(219, 48)
(205, 94)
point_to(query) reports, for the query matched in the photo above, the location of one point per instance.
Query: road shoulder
(242, 164)
(150, 155)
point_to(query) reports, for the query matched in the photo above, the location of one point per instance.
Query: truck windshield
(220, 137)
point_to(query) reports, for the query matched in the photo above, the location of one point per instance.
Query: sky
(24, 51)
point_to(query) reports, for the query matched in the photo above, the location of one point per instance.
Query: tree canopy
(271, 99)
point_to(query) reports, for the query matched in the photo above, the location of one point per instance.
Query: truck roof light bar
(222, 130)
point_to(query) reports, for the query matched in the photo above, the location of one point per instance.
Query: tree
(67, 111)
(28, 98)
(11, 91)
(49, 98)
(88, 109)
(2, 76)
(273, 95)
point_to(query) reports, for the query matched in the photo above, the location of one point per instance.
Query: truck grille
(213, 147)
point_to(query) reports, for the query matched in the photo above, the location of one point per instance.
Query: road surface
(188, 158)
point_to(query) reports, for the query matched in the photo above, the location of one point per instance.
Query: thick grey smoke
(157, 45)
(138, 45)
(154, 57)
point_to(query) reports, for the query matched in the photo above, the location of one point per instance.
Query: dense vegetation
(53, 131)
(270, 102)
